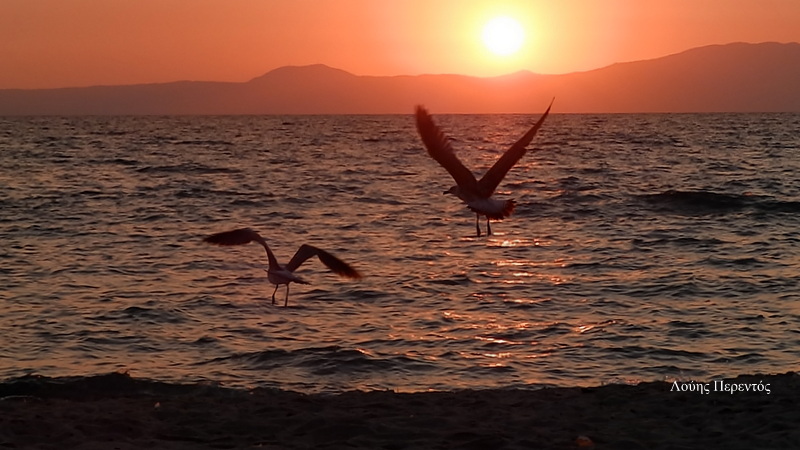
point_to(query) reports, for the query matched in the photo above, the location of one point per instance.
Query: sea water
(643, 247)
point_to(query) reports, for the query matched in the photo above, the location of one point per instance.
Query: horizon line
(422, 74)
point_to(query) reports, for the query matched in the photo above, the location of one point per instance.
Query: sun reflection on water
(524, 271)
(519, 242)
(594, 327)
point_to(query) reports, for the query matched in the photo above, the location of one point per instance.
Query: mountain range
(736, 77)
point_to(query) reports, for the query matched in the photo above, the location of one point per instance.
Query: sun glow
(503, 36)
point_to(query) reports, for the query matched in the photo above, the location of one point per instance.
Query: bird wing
(336, 265)
(238, 237)
(498, 171)
(438, 146)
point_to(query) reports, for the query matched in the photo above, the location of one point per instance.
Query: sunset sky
(59, 43)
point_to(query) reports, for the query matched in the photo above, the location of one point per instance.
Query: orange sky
(57, 43)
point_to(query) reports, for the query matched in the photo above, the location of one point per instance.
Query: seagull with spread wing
(477, 194)
(277, 274)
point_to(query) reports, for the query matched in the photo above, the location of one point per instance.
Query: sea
(643, 247)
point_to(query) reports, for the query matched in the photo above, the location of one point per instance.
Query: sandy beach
(116, 411)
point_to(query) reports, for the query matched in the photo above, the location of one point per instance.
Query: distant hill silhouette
(718, 78)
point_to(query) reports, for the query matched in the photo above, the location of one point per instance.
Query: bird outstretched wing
(492, 178)
(438, 146)
(235, 237)
(241, 236)
(333, 263)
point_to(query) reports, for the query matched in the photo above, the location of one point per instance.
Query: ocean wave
(709, 202)
(204, 143)
(186, 168)
(324, 361)
(90, 387)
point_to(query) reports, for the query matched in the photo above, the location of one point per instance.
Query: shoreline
(117, 411)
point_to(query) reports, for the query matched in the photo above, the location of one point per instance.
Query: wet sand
(116, 411)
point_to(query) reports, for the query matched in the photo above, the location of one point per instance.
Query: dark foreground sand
(118, 412)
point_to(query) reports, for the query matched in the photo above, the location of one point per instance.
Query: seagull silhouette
(477, 194)
(277, 274)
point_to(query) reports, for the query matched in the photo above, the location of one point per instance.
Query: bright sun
(503, 36)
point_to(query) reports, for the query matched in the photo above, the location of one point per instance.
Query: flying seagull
(476, 194)
(277, 274)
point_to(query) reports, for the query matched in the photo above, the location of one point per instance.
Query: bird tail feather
(499, 214)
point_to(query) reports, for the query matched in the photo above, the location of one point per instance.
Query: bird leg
(273, 294)
(286, 301)
(478, 224)
(488, 227)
